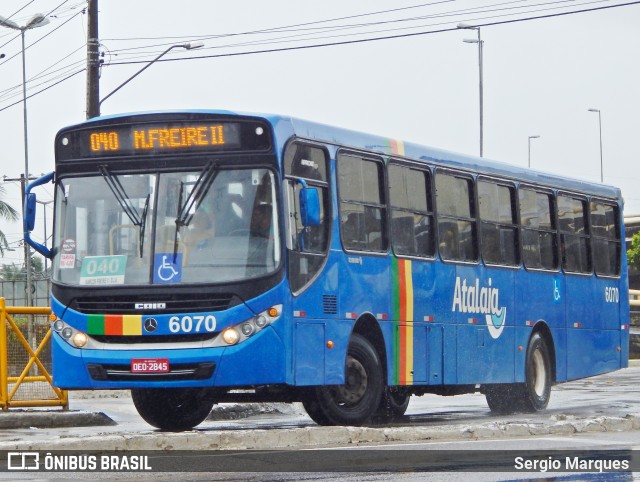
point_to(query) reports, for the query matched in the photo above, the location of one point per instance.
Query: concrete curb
(52, 419)
(307, 437)
(16, 419)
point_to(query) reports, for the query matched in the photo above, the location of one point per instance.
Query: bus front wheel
(394, 403)
(173, 409)
(358, 400)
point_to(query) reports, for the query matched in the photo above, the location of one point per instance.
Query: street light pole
(38, 20)
(600, 127)
(188, 46)
(531, 137)
(480, 43)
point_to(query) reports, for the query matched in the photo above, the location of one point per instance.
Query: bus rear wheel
(537, 390)
(358, 400)
(534, 394)
(173, 409)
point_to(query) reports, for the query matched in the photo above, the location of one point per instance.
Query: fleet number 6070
(192, 324)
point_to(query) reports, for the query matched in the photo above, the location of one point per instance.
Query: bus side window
(574, 234)
(606, 238)
(363, 210)
(538, 227)
(498, 223)
(457, 230)
(411, 204)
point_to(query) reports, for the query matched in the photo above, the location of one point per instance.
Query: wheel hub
(355, 382)
(539, 373)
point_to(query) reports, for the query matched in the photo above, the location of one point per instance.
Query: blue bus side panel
(257, 361)
(337, 331)
(482, 359)
(593, 352)
(309, 352)
(593, 329)
(482, 301)
(540, 298)
(434, 357)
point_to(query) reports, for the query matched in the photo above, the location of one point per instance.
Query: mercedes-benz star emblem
(150, 325)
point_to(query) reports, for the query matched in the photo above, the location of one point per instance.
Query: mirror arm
(40, 248)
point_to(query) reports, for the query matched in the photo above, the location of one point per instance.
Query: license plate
(150, 365)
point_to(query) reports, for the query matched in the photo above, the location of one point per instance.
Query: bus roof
(286, 126)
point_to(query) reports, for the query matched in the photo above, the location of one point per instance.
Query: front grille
(179, 371)
(175, 303)
(173, 338)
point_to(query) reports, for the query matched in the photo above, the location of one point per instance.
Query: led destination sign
(156, 138)
(164, 138)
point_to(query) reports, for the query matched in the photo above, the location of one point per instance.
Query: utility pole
(27, 258)
(93, 61)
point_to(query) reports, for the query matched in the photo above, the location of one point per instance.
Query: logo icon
(476, 299)
(23, 461)
(150, 325)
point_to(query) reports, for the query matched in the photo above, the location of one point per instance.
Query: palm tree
(6, 213)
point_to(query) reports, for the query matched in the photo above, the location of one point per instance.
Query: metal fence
(15, 292)
(25, 359)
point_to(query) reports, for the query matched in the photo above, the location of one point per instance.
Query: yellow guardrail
(33, 387)
(634, 297)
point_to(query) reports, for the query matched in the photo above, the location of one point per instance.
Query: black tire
(534, 394)
(394, 403)
(505, 398)
(537, 390)
(312, 407)
(358, 400)
(173, 409)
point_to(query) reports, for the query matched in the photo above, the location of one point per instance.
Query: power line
(42, 90)
(296, 25)
(375, 39)
(42, 72)
(41, 38)
(348, 42)
(480, 9)
(20, 9)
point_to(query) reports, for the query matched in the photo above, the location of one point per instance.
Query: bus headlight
(80, 339)
(73, 337)
(247, 329)
(230, 336)
(242, 331)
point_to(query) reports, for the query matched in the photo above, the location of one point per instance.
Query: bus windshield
(200, 226)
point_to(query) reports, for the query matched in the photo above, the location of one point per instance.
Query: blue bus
(202, 257)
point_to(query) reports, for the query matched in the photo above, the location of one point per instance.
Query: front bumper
(256, 361)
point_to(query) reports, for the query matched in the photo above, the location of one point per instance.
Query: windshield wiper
(144, 223)
(187, 209)
(125, 202)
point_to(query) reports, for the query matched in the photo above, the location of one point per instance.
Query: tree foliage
(633, 253)
(16, 271)
(7, 213)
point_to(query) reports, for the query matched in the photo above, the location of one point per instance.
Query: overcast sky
(540, 76)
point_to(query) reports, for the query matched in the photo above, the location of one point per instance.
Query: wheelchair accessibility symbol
(556, 291)
(166, 269)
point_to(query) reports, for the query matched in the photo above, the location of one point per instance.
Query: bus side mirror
(29, 212)
(29, 218)
(309, 206)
